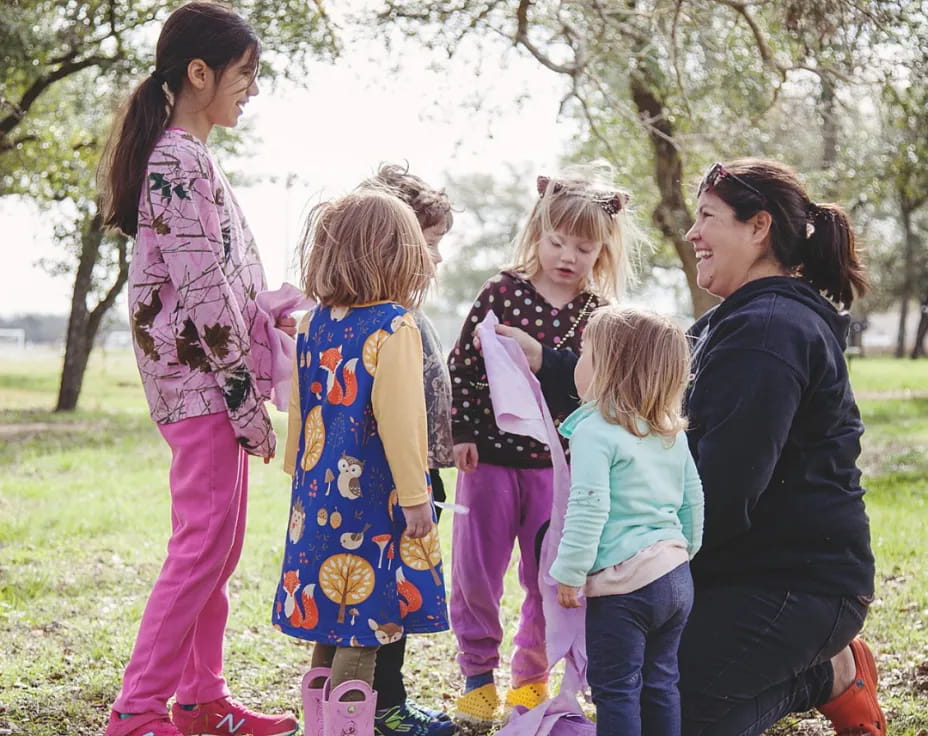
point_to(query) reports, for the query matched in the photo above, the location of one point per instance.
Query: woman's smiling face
(729, 253)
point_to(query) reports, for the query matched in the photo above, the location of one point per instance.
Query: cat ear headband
(610, 202)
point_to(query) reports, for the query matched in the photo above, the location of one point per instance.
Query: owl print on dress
(349, 474)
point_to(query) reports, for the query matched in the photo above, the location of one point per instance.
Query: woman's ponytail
(830, 260)
(125, 158)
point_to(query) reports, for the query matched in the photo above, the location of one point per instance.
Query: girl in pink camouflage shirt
(193, 280)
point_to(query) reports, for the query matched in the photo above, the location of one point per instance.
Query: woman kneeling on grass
(785, 574)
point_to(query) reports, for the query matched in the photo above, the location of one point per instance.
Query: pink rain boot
(349, 717)
(312, 701)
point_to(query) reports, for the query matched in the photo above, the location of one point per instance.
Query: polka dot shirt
(515, 302)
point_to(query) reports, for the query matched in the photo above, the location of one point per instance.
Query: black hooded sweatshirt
(775, 433)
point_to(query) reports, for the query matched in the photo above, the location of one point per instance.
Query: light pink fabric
(179, 647)
(519, 406)
(634, 573)
(278, 360)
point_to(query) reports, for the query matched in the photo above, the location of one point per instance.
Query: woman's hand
(418, 520)
(465, 456)
(287, 325)
(568, 596)
(530, 346)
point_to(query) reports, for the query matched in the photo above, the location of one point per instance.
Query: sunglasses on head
(719, 172)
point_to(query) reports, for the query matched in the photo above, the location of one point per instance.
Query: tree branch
(44, 82)
(522, 38)
(766, 53)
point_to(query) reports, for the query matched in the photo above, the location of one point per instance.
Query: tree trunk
(829, 113)
(671, 215)
(918, 347)
(83, 323)
(905, 293)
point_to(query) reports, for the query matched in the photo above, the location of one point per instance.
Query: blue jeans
(631, 643)
(750, 656)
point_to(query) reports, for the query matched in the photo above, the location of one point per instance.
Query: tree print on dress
(423, 553)
(346, 580)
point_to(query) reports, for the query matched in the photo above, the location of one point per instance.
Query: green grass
(877, 375)
(84, 519)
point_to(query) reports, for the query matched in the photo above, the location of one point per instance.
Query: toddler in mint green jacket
(634, 517)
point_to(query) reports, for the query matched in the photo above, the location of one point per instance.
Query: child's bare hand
(530, 346)
(466, 456)
(568, 596)
(418, 520)
(287, 325)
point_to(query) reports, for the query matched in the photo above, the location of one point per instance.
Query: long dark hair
(816, 241)
(198, 30)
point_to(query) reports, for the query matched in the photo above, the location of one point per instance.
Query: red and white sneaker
(225, 717)
(144, 724)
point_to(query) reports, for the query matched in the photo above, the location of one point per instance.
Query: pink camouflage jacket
(193, 279)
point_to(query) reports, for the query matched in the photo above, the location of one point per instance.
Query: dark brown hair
(198, 30)
(816, 241)
(432, 206)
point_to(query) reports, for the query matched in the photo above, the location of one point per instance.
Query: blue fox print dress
(350, 577)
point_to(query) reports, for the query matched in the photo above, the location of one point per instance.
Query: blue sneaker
(405, 720)
(433, 713)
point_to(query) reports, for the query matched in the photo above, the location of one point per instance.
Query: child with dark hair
(205, 367)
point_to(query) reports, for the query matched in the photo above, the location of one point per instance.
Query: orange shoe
(856, 711)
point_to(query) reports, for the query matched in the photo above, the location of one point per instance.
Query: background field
(84, 518)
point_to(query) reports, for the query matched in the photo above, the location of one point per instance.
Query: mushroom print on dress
(351, 574)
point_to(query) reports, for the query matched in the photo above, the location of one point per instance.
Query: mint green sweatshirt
(626, 493)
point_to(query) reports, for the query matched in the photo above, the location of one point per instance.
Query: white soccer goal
(12, 337)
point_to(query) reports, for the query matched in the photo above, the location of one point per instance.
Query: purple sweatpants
(180, 641)
(505, 504)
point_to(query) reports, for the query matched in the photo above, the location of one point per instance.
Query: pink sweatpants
(179, 646)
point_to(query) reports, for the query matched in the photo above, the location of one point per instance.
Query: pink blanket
(272, 305)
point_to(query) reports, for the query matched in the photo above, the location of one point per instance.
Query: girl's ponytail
(831, 262)
(125, 158)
